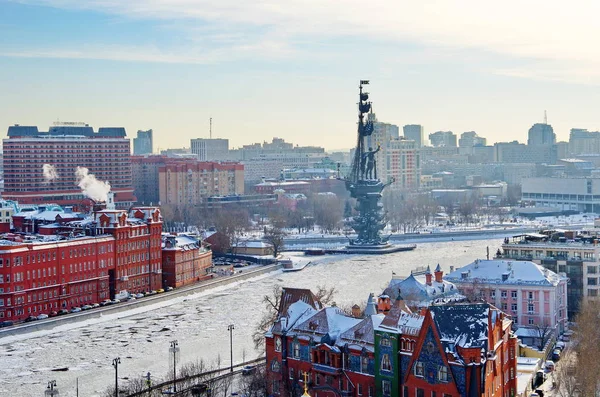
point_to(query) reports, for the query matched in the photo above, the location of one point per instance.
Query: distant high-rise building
(443, 138)
(143, 143)
(414, 132)
(383, 134)
(515, 152)
(40, 166)
(216, 149)
(470, 139)
(541, 134)
(582, 141)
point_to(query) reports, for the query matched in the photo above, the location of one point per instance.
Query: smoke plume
(49, 173)
(90, 186)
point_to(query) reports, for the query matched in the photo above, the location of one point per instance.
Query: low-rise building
(184, 260)
(533, 295)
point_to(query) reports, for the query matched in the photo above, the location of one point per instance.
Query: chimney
(428, 276)
(283, 323)
(438, 274)
(356, 311)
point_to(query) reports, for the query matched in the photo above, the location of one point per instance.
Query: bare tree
(327, 211)
(543, 332)
(587, 348)
(231, 224)
(275, 236)
(565, 380)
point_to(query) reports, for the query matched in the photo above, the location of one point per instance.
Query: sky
(291, 68)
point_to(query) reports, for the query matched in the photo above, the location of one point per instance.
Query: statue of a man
(370, 159)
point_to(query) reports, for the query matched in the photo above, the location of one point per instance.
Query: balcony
(326, 369)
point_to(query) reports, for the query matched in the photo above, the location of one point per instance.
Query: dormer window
(277, 344)
(419, 369)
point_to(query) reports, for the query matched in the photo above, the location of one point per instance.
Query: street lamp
(230, 328)
(51, 390)
(174, 349)
(115, 364)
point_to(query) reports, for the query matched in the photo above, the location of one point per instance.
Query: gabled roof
(292, 295)
(362, 333)
(401, 319)
(464, 325)
(330, 321)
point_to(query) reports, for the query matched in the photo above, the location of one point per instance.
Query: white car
(42, 316)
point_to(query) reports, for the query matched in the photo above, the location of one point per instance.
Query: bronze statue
(369, 158)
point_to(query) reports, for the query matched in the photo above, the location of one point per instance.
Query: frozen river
(199, 322)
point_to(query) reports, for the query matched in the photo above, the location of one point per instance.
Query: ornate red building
(80, 262)
(184, 261)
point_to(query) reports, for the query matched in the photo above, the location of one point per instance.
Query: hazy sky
(290, 68)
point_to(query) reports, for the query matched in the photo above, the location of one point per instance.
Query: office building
(582, 141)
(40, 166)
(541, 134)
(414, 132)
(216, 149)
(143, 143)
(515, 152)
(566, 194)
(443, 139)
(145, 177)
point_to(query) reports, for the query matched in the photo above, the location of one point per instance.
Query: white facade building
(531, 294)
(210, 149)
(575, 194)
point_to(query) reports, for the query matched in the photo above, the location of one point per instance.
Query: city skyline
(291, 71)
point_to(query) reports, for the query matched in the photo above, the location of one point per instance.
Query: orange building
(185, 260)
(188, 182)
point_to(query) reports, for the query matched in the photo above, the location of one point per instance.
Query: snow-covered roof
(180, 242)
(464, 325)
(252, 244)
(330, 321)
(414, 289)
(362, 334)
(498, 271)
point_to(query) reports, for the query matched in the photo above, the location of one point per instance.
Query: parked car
(248, 369)
(86, 307)
(560, 345)
(115, 301)
(95, 305)
(550, 366)
(53, 314)
(75, 309)
(160, 291)
(556, 355)
(30, 319)
(63, 311)
(106, 302)
(5, 324)
(131, 298)
(139, 295)
(169, 289)
(42, 316)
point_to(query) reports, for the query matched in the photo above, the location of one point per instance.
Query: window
(531, 321)
(530, 308)
(296, 349)
(493, 294)
(513, 307)
(275, 386)
(592, 281)
(419, 369)
(504, 306)
(420, 392)
(277, 344)
(503, 294)
(292, 373)
(364, 364)
(530, 295)
(386, 365)
(443, 373)
(370, 391)
(590, 269)
(385, 342)
(386, 386)
(513, 294)
(360, 389)
(275, 366)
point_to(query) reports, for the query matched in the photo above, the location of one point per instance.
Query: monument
(366, 188)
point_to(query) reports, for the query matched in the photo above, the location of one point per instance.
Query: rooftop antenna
(210, 128)
(545, 118)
